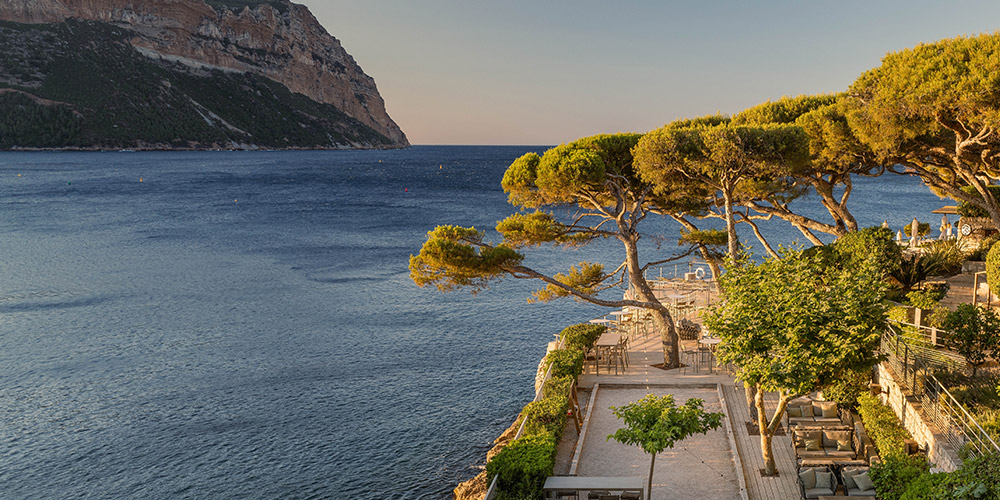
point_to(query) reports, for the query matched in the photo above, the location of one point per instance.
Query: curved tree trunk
(661, 316)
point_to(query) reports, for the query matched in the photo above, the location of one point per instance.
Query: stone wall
(925, 433)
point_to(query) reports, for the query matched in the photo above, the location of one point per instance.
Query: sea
(243, 324)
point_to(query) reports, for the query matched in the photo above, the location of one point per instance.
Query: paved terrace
(703, 466)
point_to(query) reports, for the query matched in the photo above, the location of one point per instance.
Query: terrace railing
(491, 492)
(914, 366)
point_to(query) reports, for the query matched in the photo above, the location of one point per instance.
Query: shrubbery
(894, 475)
(993, 268)
(565, 362)
(882, 426)
(521, 467)
(908, 478)
(581, 336)
(846, 389)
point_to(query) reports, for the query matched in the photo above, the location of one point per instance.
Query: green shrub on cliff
(581, 336)
(565, 362)
(522, 466)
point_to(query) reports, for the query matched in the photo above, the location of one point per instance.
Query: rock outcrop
(275, 39)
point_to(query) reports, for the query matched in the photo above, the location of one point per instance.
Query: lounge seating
(816, 482)
(824, 443)
(851, 484)
(806, 411)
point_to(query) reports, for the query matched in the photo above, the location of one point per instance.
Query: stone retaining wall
(925, 433)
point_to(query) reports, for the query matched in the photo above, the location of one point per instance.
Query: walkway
(700, 467)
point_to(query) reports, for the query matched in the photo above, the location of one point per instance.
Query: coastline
(475, 488)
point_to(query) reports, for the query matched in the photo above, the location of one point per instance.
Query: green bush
(521, 467)
(882, 426)
(977, 478)
(846, 389)
(925, 486)
(874, 243)
(946, 255)
(565, 362)
(558, 387)
(993, 268)
(979, 254)
(581, 336)
(921, 299)
(894, 474)
(899, 313)
(546, 416)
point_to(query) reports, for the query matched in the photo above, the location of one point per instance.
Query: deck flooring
(784, 486)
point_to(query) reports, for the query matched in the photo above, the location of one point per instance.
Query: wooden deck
(783, 487)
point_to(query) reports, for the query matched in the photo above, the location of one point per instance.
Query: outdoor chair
(854, 486)
(615, 356)
(599, 495)
(815, 482)
(692, 360)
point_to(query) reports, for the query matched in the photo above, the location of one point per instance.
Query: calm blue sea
(242, 325)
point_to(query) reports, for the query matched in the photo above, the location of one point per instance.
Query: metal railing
(679, 270)
(538, 396)
(914, 366)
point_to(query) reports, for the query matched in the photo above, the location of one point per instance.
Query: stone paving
(700, 467)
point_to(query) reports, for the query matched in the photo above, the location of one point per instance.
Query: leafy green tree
(792, 325)
(975, 334)
(934, 111)
(736, 163)
(593, 176)
(657, 423)
(835, 157)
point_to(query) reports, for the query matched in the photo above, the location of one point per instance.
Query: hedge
(521, 467)
(582, 336)
(882, 426)
(993, 268)
(565, 362)
(896, 473)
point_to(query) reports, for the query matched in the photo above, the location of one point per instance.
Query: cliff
(259, 41)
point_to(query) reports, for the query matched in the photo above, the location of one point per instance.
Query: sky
(548, 72)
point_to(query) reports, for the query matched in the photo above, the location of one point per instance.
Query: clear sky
(550, 71)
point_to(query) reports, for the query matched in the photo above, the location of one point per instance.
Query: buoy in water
(406, 190)
(140, 179)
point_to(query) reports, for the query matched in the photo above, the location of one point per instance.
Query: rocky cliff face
(275, 39)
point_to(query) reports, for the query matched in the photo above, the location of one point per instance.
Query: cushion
(844, 445)
(808, 478)
(858, 493)
(818, 492)
(824, 480)
(812, 444)
(863, 481)
(826, 409)
(794, 411)
(834, 439)
(848, 476)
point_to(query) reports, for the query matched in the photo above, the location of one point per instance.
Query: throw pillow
(824, 480)
(794, 411)
(812, 444)
(844, 445)
(808, 478)
(863, 481)
(828, 409)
